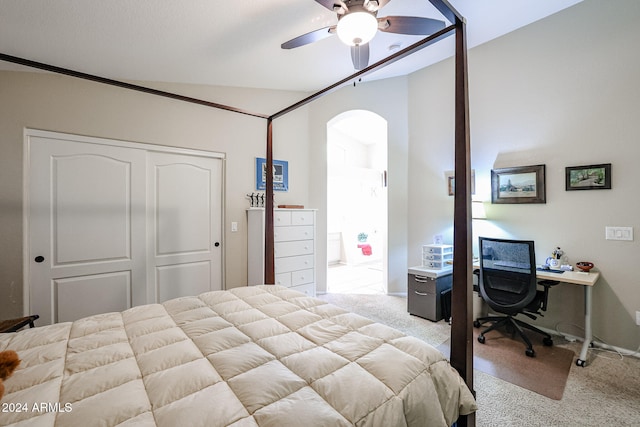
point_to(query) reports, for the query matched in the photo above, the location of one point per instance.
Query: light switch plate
(619, 233)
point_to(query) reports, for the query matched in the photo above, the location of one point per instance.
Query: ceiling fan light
(357, 28)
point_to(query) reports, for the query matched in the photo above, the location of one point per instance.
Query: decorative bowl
(584, 265)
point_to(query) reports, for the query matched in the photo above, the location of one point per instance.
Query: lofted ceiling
(230, 43)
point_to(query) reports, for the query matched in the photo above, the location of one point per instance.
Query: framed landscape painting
(524, 184)
(592, 177)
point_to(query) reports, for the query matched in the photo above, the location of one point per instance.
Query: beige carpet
(605, 393)
(504, 357)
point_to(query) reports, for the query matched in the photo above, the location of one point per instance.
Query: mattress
(250, 356)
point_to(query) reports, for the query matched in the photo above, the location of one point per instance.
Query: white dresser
(294, 248)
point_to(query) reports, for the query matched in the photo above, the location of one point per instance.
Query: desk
(587, 280)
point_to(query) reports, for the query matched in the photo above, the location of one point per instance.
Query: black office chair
(508, 284)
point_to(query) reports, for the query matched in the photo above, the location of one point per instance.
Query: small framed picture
(280, 174)
(591, 177)
(451, 182)
(524, 184)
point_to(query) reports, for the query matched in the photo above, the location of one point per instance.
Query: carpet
(503, 357)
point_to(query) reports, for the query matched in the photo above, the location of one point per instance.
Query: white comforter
(254, 356)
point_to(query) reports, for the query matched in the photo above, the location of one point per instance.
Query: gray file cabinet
(425, 287)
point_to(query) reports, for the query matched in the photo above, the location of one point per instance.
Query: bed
(251, 356)
(461, 295)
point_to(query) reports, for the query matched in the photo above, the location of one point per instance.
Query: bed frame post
(462, 307)
(269, 264)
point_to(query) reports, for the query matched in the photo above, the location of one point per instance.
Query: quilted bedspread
(251, 356)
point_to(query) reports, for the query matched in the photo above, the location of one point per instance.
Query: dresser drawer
(293, 263)
(297, 247)
(281, 218)
(300, 277)
(297, 232)
(293, 217)
(302, 217)
(308, 289)
(295, 278)
(283, 279)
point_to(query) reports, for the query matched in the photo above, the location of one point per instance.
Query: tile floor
(356, 279)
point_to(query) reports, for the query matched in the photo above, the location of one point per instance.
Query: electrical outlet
(619, 233)
(638, 317)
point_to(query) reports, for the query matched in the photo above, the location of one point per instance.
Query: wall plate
(619, 233)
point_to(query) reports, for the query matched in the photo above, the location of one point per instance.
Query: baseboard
(397, 294)
(596, 344)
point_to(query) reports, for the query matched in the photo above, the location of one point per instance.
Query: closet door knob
(39, 259)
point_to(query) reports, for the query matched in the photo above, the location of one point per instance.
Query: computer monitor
(506, 254)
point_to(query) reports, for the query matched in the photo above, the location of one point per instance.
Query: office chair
(507, 282)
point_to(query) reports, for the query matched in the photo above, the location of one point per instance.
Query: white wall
(64, 104)
(561, 92)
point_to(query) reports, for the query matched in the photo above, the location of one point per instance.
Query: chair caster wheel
(581, 363)
(481, 339)
(529, 352)
(547, 342)
(476, 324)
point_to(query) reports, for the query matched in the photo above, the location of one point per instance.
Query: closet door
(112, 224)
(86, 228)
(184, 226)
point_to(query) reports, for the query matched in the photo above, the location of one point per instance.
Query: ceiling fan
(358, 24)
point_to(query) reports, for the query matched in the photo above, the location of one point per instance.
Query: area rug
(504, 357)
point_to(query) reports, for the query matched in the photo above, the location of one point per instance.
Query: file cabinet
(424, 294)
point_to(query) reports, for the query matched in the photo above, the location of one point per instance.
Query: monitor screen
(508, 255)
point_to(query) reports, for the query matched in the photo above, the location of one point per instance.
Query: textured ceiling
(227, 43)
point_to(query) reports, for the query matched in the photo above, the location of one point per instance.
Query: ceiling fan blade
(332, 5)
(360, 56)
(412, 25)
(380, 3)
(311, 37)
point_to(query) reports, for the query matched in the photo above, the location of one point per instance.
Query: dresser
(294, 236)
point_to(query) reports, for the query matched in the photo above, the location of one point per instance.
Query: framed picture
(451, 182)
(592, 177)
(280, 174)
(525, 184)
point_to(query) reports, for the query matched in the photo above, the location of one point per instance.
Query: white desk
(587, 280)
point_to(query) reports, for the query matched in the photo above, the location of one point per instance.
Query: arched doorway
(357, 203)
